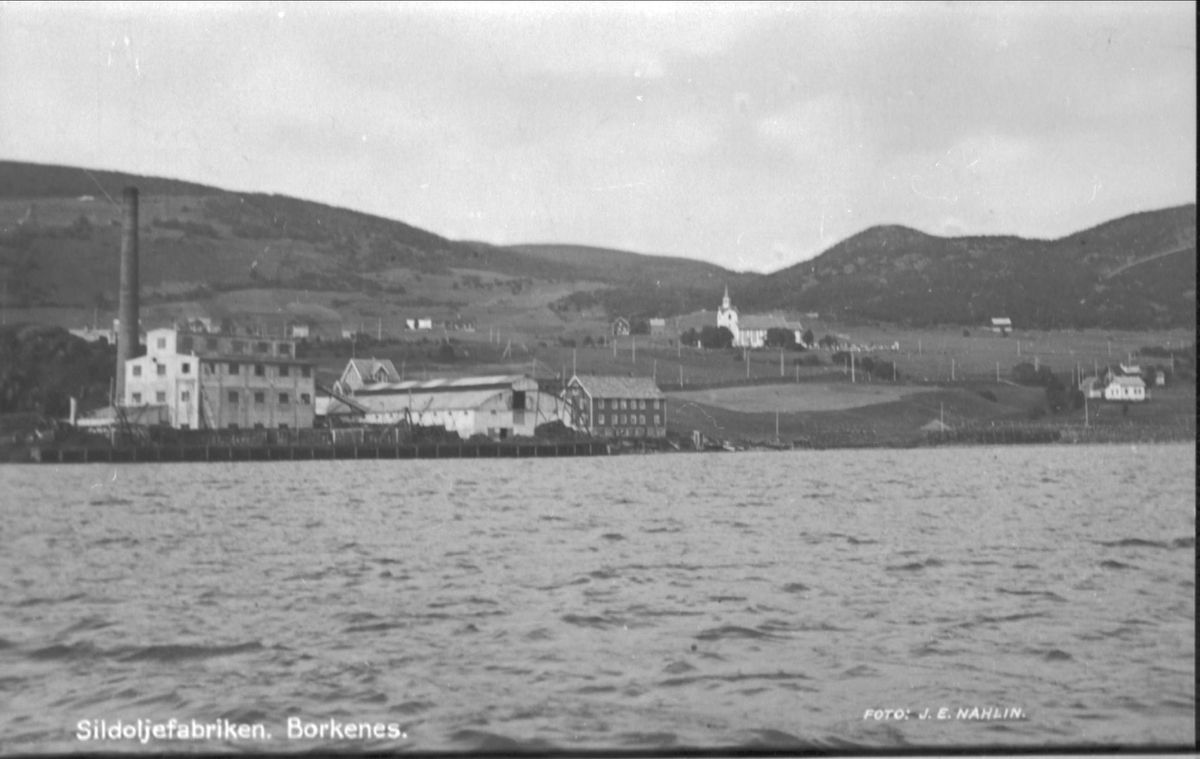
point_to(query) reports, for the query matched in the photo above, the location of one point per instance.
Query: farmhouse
(1001, 324)
(207, 381)
(658, 326)
(620, 327)
(616, 406)
(1125, 389)
(496, 406)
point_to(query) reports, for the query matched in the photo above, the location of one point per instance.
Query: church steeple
(725, 300)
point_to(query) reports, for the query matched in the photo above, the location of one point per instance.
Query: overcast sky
(753, 136)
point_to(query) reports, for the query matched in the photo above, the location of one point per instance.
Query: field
(791, 398)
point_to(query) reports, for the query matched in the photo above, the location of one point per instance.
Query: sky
(750, 135)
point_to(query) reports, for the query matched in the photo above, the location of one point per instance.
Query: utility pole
(681, 376)
(655, 375)
(574, 356)
(633, 348)
(852, 367)
(747, 355)
(781, 362)
(951, 370)
(997, 371)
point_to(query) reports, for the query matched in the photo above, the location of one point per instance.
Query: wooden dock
(168, 453)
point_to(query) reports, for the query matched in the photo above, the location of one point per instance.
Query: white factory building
(498, 406)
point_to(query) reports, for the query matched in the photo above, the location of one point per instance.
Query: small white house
(1125, 389)
(299, 331)
(1002, 324)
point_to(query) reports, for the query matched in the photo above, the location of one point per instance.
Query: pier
(206, 453)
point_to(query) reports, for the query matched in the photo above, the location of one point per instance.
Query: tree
(716, 337)
(639, 325)
(808, 337)
(778, 337)
(690, 337)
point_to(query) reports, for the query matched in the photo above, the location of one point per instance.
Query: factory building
(221, 381)
(496, 406)
(616, 406)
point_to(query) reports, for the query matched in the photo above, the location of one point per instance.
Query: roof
(766, 321)
(367, 367)
(1128, 381)
(1001, 321)
(445, 401)
(618, 387)
(462, 384)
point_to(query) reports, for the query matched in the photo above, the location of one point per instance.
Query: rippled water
(631, 602)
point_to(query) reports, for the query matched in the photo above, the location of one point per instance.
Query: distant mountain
(1136, 272)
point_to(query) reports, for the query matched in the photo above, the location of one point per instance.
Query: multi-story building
(218, 381)
(616, 406)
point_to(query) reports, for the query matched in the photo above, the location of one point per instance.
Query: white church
(751, 332)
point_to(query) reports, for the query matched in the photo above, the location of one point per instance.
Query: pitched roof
(1128, 381)
(766, 321)
(500, 381)
(618, 387)
(446, 401)
(367, 368)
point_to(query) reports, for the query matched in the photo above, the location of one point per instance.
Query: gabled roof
(368, 367)
(618, 387)
(1001, 321)
(766, 321)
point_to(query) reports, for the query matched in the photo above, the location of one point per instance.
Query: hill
(1136, 272)
(60, 229)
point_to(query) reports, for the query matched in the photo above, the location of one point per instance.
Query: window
(208, 369)
(264, 347)
(137, 371)
(239, 346)
(137, 398)
(623, 418)
(656, 422)
(305, 399)
(601, 419)
(162, 342)
(233, 396)
(285, 349)
(624, 405)
(233, 367)
(260, 398)
(185, 396)
(305, 371)
(185, 368)
(641, 418)
(283, 399)
(162, 370)
(601, 402)
(642, 404)
(211, 343)
(283, 371)
(654, 404)
(260, 370)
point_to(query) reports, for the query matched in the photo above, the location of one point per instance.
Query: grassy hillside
(1137, 272)
(201, 246)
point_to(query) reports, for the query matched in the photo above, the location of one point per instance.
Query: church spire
(725, 300)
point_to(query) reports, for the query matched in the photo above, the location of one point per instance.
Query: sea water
(1012, 596)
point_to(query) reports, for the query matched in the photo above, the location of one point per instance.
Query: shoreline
(957, 438)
